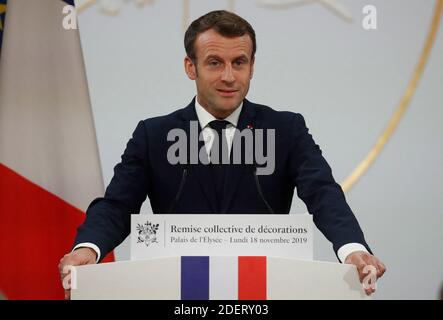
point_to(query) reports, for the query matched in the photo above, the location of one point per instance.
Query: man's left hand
(367, 274)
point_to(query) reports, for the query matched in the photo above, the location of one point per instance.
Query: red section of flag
(36, 229)
(252, 278)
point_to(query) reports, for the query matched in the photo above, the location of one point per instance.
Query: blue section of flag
(195, 278)
(2, 20)
(71, 2)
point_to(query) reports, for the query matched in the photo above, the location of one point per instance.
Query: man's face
(222, 71)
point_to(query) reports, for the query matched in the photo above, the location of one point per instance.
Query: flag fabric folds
(49, 163)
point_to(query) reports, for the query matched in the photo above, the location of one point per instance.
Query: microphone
(180, 189)
(257, 182)
(259, 189)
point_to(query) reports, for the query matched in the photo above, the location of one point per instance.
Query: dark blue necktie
(219, 158)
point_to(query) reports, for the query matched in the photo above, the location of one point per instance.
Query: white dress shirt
(204, 118)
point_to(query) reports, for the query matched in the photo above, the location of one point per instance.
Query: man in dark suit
(220, 49)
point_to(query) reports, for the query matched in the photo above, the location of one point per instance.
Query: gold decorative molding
(111, 7)
(399, 112)
(84, 5)
(332, 5)
(108, 7)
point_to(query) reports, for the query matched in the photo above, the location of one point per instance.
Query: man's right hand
(80, 256)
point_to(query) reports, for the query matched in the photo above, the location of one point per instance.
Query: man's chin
(228, 109)
(229, 104)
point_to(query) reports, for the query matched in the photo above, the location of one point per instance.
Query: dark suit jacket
(145, 171)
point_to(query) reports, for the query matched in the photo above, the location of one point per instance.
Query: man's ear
(252, 67)
(190, 68)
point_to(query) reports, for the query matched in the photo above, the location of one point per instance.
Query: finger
(67, 259)
(381, 269)
(62, 263)
(369, 291)
(67, 282)
(67, 269)
(67, 294)
(361, 271)
(370, 278)
(374, 262)
(74, 259)
(61, 268)
(370, 288)
(367, 257)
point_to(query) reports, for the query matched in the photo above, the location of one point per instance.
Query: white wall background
(345, 80)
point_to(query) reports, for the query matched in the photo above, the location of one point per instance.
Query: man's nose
(228, 75)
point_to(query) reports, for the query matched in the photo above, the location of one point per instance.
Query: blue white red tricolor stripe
(223, 278)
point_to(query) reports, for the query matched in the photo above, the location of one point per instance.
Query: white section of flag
(223, 278)
(47, 131)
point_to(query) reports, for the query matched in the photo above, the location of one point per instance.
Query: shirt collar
(204, 117)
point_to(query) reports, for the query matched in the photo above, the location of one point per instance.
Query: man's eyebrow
(213, 56)
(242, 56)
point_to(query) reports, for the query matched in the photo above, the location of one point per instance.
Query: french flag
(49, 161)
(223, 278)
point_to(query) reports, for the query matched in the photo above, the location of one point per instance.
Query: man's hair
(225, 23)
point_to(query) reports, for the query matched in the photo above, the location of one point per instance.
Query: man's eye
(239, 62)
(214, 63)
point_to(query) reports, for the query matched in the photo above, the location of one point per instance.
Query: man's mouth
(227, 93)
